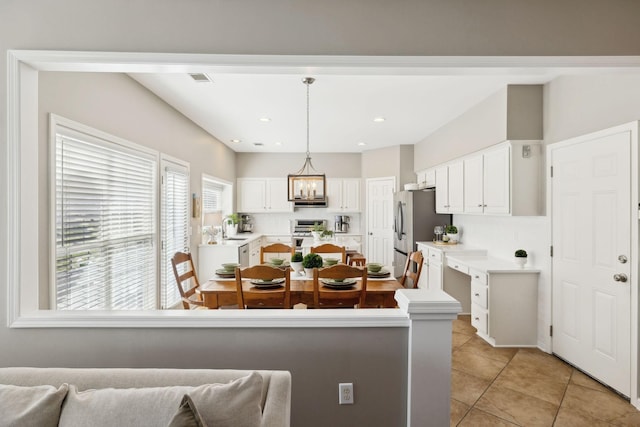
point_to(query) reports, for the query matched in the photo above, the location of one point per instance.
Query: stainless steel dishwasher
(243, 255)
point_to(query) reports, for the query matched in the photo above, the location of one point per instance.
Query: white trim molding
(431, 313)
(22, 143)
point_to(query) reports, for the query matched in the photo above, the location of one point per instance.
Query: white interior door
(380, 220)
(591, 228)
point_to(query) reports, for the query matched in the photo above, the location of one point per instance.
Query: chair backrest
(182, 260)
(276, 248)
(329, 248)
(252, 297)
(414, 259)
(324, 297)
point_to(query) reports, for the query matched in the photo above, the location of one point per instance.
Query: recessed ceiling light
(278, 143)
(379, 119)
(362, 144)
(265, 119)
(235, 141)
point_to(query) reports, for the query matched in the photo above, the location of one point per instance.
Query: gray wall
(575, 105)
(374, 359)
(117, 104)
(396, 161)
(514, 112)
(334, 165)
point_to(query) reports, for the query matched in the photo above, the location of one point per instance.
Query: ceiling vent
(258, 144)
(200, 78)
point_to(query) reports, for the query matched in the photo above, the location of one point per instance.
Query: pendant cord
(308, 83)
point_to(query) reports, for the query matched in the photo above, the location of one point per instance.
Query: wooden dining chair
(276, 248)
(324, 297)
(412, 270)
(182, 261)
(253, 297)
(329, 248)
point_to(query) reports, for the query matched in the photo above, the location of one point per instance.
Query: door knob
(622, 259)
(620, 277)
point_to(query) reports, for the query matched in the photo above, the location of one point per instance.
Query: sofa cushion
(31, 406)
(235, 404)
(187, 415)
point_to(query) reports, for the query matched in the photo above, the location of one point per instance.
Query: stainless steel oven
(303, 227)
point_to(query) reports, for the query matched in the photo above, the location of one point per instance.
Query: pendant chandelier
(307, 185)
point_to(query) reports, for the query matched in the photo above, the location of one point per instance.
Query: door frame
(634, 129)
(366, 208)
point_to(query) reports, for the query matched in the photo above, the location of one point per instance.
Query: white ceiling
(342, 107)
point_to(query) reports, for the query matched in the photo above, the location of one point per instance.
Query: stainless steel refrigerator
(414, 219)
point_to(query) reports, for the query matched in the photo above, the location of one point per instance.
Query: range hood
(310, 203)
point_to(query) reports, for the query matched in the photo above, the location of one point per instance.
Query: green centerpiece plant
(311, 261)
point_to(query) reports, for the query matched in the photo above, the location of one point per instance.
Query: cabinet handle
(477, 318)
(484, 206)
(477, 295)
(477, 277)
(480, 206)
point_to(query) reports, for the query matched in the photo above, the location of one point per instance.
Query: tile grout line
(485, 390)
(563, 396)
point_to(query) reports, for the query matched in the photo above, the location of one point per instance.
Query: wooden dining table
(219, 292)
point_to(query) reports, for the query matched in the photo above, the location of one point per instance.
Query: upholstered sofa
(144, 397)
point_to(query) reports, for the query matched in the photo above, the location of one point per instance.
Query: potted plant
(452, 232)
(231, 224)
(296, 262)
(316, 231)
(520, 257)
(309, 262)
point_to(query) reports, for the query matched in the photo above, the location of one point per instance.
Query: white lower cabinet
(479, 319)
(254, 251)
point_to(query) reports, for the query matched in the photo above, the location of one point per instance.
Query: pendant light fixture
(307, 185)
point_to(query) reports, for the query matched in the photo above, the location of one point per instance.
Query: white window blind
(105, 224)
(175, 226)
(211, 196)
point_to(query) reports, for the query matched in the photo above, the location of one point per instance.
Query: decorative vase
(453, 238)
(296, 266)
(232, 230)
(316, 236)
(520, 260)
(308, 272)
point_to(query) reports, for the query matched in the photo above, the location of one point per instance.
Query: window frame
(167, 279)
(161, 163)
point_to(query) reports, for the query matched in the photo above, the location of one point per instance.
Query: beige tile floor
(525, 387)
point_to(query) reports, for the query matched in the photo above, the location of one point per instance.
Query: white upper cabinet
(496, 182)
(486, 182)
(343, 194)
(263, 195)
(450, 188)
(426, 178)
(504, 180)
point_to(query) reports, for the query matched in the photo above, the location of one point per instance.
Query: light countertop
(471, 250)
(489, 264)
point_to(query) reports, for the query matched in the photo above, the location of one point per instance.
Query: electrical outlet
(345, 396)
